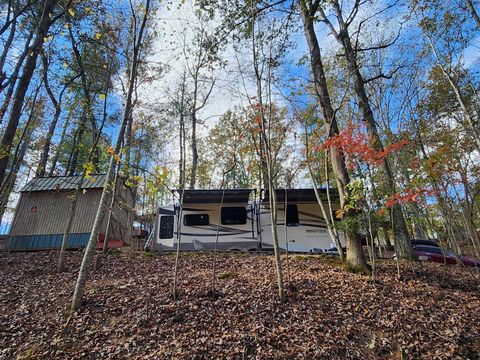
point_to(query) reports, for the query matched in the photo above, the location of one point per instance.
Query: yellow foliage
(111, 151)
(89, 167)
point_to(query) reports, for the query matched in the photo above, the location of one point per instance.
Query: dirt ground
(328, 314)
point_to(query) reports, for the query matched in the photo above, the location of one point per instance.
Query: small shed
(43, 209)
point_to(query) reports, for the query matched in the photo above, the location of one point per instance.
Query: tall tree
(355, 255)
(202, 57)
(47, 14)
(351, 51)
(57, 104)
(141, 15)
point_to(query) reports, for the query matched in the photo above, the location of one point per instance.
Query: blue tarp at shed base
(47, 241)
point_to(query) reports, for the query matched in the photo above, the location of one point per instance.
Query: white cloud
(471, 53)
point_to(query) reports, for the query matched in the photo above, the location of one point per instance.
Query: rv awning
(300, 195)
(237, 196)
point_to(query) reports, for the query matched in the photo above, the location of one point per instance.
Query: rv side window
(196, 219)
(166, 227)
(292, 215)
(234, 215)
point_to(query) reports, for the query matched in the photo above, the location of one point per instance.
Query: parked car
(436, 254)
(427, 242)
(334, 251)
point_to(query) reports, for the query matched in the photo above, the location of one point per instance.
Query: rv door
(166, 230)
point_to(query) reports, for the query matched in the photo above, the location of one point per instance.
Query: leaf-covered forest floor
(129, 313)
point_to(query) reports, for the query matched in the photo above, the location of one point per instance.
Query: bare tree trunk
(215, 253)
(177, 252)
(203, 58)
(127, 148)
(68, 225)
(41, 169)
(276, 247)
(88, 108)
(8, 186)
(182, 134)
(24, 82)
(72, 150)
(73, 203)
(268, 153)
(110, 210)
(13, 77)
(181, 163)
(355, 256)
(473, 11)
(42, 165)
(285, 208)
(330, 212)
(27, 130)
(53, 166)
(329, 224)
(193, 178)
(16, 12)
(3, 56)
(87, 259)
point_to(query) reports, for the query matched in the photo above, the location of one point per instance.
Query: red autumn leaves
(408, 196)
(359, 150)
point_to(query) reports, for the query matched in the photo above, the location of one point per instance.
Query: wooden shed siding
(122, 222)
(52, 212)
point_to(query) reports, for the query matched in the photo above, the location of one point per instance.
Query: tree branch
(383, 76)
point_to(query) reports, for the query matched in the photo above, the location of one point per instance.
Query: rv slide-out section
(236, 228)
(206, 213)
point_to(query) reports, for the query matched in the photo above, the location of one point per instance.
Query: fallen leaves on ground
(129, 312)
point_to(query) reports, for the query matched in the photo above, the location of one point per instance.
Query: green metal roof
(58, 183)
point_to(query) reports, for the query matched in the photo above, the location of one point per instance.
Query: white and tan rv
(242, 222)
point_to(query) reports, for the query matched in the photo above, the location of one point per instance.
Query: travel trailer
(234, 220)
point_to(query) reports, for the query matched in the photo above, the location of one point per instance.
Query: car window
(432, 250)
